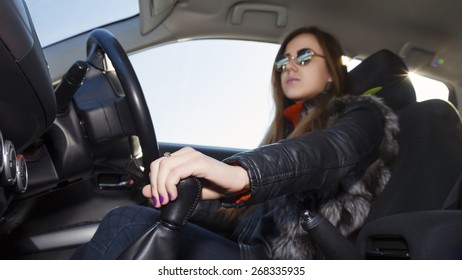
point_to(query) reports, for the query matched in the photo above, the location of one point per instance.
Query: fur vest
(348, 208)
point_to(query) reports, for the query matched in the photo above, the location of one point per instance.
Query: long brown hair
(317, 119)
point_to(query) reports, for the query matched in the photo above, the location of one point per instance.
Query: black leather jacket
(318, 162)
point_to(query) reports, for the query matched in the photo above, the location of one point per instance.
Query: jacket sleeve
(313, 160)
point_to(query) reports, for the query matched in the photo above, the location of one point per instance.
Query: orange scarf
(293, 112)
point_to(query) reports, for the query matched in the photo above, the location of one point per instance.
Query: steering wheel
(101, 43)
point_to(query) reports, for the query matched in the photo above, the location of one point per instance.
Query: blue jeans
(123, 225)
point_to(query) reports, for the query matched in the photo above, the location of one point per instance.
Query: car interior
(76, 136)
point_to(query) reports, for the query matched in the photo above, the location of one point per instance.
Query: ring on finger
(167, 154)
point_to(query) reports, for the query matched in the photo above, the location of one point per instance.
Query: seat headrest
(385, 75)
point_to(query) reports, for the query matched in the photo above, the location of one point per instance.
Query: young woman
(325, 151)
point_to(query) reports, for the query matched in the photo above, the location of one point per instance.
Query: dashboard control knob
(9, 164)
(22, 178)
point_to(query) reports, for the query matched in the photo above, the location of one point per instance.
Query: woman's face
(303, 82)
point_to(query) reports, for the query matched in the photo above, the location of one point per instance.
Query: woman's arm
(317, 159)
(302, 163)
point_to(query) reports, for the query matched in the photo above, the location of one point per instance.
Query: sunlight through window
(425, 88)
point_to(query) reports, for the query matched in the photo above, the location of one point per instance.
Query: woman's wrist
(230, 179)
(241, 188)
(237, 182)
(227, 180)
(242, 179)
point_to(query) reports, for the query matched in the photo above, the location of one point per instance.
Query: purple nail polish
(161, 199)
(154, 200)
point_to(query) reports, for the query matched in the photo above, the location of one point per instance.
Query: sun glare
(425, 88)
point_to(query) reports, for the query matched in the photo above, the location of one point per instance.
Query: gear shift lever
(161, 241)
(328, 237)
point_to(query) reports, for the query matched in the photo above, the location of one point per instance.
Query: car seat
(420, 202)
(383, 74)
(416, 216)
(27, 100)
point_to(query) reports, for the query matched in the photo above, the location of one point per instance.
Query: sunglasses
(303, 57)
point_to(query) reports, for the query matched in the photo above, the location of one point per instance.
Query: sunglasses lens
(281, 63)
(304, 56)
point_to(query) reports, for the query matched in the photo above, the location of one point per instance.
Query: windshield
(56, 20)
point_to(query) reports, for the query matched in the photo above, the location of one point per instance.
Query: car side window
(218, 92)
(208, 92)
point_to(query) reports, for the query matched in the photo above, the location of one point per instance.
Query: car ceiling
(418, 30)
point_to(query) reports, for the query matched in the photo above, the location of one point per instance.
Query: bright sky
(53, 25)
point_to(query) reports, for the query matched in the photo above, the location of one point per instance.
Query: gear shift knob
(161, 241)
(177, 212)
